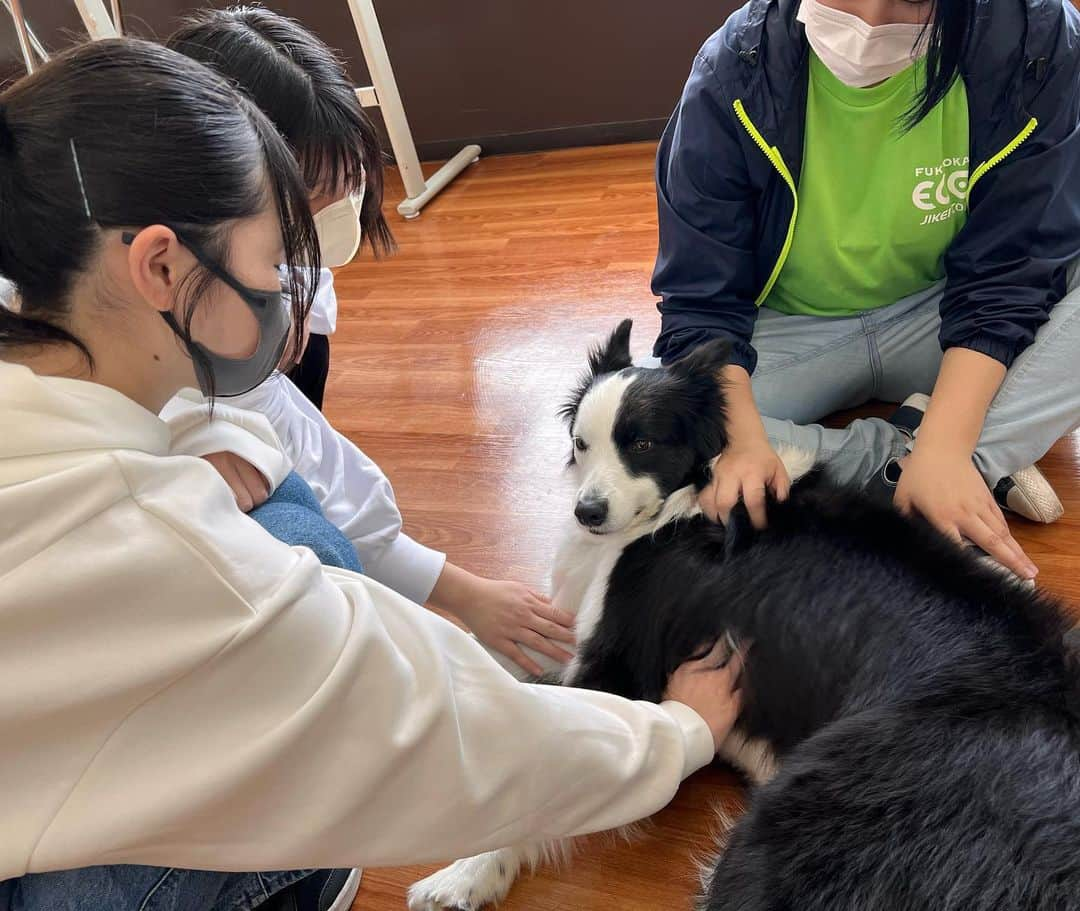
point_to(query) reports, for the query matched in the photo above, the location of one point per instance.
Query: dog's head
(638, 434)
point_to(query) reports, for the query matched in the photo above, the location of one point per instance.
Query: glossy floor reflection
(450, 362)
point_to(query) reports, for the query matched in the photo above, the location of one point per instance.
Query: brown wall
(512, 74)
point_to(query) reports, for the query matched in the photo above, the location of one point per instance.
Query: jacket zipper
(997, 159)
(777, 161)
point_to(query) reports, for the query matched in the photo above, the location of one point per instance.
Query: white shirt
(323, 317)
(178, 688)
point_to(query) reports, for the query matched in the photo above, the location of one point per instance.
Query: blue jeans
(134, 888)
(292, 514)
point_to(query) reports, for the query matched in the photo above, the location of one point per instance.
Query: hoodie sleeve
(1007, 267)
(705, 269)
(197, 430)
(261, 712)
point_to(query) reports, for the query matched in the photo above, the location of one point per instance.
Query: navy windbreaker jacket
(728, 168)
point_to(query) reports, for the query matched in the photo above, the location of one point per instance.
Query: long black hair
(947, 36)
(126, 133)
(302, 86)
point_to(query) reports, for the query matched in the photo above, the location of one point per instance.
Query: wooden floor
(448, 366)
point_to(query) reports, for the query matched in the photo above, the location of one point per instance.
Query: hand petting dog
(505, 616)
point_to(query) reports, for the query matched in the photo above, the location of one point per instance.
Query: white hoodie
(178, 688)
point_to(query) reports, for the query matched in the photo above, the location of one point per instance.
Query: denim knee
(294, 489)
(292, 515)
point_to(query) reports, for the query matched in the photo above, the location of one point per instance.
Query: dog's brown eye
(641, 445)
(579, 444)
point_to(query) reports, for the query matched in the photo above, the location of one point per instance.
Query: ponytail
(16, 327)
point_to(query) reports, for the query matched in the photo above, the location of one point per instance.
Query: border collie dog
(911, 717)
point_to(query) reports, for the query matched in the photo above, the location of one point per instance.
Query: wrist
(967, 383)
(746, 430)
(455, 591)
(944, 446)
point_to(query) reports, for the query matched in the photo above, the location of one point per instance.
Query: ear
(699, 376)
(614, 354)
(705, 360)
(156, 263)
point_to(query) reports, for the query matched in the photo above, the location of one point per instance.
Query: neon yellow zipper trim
(1018, 141)
(777, 161)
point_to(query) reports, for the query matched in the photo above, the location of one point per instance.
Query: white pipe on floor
(384, 94)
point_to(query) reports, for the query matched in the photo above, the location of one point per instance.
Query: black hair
(302, 86)
(947, 36)
(126, 133)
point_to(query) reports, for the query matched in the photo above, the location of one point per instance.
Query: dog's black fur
(924, 708)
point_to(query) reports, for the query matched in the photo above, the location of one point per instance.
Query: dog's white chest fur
(579, 581)
(583, 564)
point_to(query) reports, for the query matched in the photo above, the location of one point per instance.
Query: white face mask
(338, 227)
(858, 54)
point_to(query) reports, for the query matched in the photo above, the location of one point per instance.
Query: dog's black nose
(591, 512)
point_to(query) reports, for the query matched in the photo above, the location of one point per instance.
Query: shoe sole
(345, 898)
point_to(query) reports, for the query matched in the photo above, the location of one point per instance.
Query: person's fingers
(997, 545)
(1021, 563)
(539, 644)
(522, 660)
(726, 495)
(716, 655)
(540, 597)
(707, 500)
(552, 630)
(753, 497)
(550, 612)
(254, 482)
(232, 477)
(995, 519)
(734, 667)
(943, 523)
(781, 484)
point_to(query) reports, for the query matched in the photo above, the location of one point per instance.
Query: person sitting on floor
(180, 692)
(302, 86)
(880, 199)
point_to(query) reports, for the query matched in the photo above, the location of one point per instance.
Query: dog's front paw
(466, 885)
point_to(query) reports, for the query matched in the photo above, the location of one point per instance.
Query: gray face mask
(227, 376)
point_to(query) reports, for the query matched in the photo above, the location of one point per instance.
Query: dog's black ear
(698, 374)
(610, 357)
(705, 360)
(614, 354)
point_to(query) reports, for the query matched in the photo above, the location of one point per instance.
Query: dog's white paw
(466, 885)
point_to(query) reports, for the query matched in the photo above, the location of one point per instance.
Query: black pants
(310, 374)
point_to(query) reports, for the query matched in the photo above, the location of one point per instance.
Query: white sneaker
(1029, 494)
(1026, 493)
